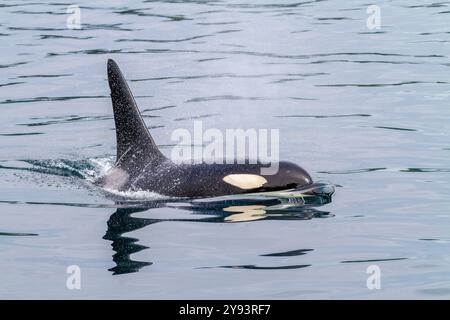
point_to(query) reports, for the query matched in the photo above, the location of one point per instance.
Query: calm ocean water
(365, 109)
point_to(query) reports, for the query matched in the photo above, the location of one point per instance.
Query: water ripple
(72, 118)
(230, 75)
(217, 23)
(254, 267)
(291, 253)
(20, 134)
(325, 116)
(86, 26)
(140, 12)
(66, 98)
(13, 64)
(373, 260)
(368, 85)
(164, 40)
(202, 116)
(225, 97)
(17, 234)
(395, 128)
(424, 170)
(56, 36)
(44, 76)
(10, 84)
(38, 12)
(157, 108)
(352, 171)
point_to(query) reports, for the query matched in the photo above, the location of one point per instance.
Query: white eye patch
(245, 181)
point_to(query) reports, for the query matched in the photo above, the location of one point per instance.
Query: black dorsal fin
(133, 138)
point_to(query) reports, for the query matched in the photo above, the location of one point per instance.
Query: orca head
(288, 175)
(254, 179)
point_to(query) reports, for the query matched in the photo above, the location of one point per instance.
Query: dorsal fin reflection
(224, 211)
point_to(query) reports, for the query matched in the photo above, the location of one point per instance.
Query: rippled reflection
(286, 205)
(121, 222)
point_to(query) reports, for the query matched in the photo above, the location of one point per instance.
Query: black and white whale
(140, 165)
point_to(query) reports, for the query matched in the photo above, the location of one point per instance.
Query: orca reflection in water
(141, 166)
(213, 211)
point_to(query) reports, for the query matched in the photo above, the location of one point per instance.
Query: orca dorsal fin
(134, 141)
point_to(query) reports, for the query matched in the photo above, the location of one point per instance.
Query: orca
(140, 165)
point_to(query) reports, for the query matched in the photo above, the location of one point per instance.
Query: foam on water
(101, 166)
(137, 195)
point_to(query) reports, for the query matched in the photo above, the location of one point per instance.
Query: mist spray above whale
(140, 165)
